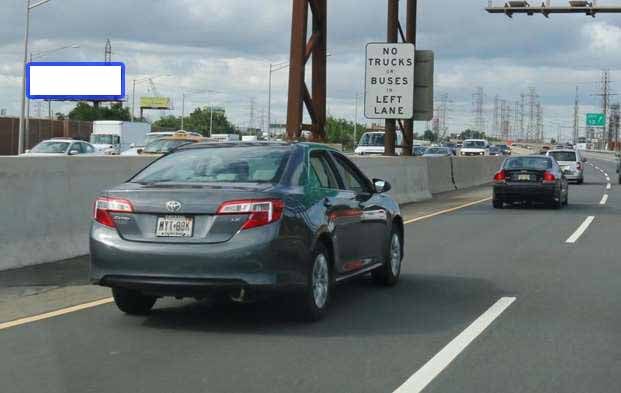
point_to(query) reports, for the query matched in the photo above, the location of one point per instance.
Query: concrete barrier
(475, 171)
(409, 176)
(46, 204)
(47, 201)
(440, 174)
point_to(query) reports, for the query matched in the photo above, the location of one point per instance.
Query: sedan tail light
(260, 211)
(104, 206)
(548, 177)
(500, 177)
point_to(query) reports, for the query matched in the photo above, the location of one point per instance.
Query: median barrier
(47, 202)
(408, 176)
(474, 171)
(440, 174)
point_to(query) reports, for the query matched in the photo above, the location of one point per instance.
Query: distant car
(167, 144)
(438, 152)
(504, 149)
(61, 147)
(474, 147)
(530, 179)
(571, 163)
(372, 143)
(245, 220)
(418, 151)
(154, 136)
(495, 151)
(451, 146)
(544, 150)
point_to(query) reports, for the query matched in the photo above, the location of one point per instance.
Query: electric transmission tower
(532, 130)
(576, 118)
(478, 102)
(108, 52)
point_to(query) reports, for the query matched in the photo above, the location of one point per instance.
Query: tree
(86, 112)
(342, 131)
(472, 134)
(200, 120)
(430, 136)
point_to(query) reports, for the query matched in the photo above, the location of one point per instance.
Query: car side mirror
(73, 152)
(139, 151)
(381, 186)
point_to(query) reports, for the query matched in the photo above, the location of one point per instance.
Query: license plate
(174, 226)
(524, 177)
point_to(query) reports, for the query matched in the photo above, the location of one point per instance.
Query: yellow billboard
(155, 102)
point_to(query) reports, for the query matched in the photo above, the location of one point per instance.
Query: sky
(218, 52)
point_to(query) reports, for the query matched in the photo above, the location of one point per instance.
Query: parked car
(372, 143)
(474, 147)
(61, 147)
(244, 220)
(438, 152)
(530, 179)
(571, 163)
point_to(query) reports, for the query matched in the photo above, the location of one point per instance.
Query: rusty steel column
(320, 27)
(410, 37)
(392, 36)
(299, 26)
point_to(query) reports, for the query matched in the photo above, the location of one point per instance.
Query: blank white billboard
(75, 81)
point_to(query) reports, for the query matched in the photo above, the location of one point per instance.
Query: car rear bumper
(256, 258)
(537, 192)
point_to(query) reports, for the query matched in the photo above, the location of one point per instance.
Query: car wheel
(132, 302)
(557, 204)
(388, 274)
(497, 203)
(319, 285)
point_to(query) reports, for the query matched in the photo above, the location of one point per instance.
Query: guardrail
(47, 201)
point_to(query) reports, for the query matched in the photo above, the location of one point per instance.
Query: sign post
(389, 90)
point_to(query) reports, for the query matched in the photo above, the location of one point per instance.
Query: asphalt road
(561, 334)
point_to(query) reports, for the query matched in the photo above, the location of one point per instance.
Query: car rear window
(256, 164)
(563, 155)
(535, 163)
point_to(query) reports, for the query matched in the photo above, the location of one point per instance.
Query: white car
(61, 147)
(372, 143)
(571, 163)
(475, 147)
(153, 136)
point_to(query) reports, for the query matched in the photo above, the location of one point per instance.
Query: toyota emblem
(173, 206)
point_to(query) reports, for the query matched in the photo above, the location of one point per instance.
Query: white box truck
(115, 137)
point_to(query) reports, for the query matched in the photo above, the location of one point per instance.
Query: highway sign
(389, 91)
(155, 102)
(595, 120)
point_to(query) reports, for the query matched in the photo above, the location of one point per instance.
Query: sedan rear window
(563, 155)
(536, 163)
(257, 164)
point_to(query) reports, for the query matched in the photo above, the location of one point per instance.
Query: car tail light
(104, 206)
(548, 177)
(578, 165)
(260, 212)
(500, 177)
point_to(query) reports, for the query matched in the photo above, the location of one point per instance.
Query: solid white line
(608, 186)
(581, 229)
(417, 382)
(604, 199)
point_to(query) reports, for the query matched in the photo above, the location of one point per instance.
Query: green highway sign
(595, 120)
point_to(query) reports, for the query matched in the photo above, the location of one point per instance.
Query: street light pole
(182, 109)
(21, 135)
(356, 120)
(269, 105)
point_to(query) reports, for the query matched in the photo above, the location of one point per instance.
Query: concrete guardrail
(47, 201)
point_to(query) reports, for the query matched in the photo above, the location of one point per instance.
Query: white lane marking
(608, 186)
(607, 178)
(581, 229)
(597, 168)
(420, 379)
(604, 199)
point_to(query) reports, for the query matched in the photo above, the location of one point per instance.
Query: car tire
(317, 295)
(557, 204)
(497, 203)
(388, 274)
(580, 181)
(132, 302)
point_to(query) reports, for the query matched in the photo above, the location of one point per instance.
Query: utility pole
(576, 134)
(356, 119)
(392, 36)
(410, 37)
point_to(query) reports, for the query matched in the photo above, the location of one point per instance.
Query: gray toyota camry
(244, 220)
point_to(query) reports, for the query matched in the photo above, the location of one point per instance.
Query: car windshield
(164, 145)
(372, 139)
(535, 163)
(436, 150)
(257, 164)
(154, 137)
(105, 139)
(51, 147)
(563, 155)
(474, 145)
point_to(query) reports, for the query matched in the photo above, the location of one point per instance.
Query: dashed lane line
(581, 229)
(423, 377)
(604, 199)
